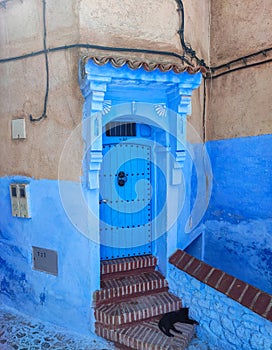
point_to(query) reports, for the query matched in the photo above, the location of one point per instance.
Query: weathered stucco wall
(239, 28)
(22, 25)
(239, 102)
(197, 18)
(144, 24)
(23, 92)
(233, 100)
(23, 85)
(197, 35)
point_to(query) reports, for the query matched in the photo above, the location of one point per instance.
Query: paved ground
(25, 333)
(21, 332)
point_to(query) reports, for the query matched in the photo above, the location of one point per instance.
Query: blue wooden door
(125, 201)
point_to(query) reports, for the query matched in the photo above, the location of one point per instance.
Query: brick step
(126, 265)
(130, 285)
(132, 298)
(136, 309)
(147, 336)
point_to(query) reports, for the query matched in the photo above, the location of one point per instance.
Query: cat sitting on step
(168, 320)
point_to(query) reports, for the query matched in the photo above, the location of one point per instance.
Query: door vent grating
(121, 129)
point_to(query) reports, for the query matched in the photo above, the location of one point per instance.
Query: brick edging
(242, 292)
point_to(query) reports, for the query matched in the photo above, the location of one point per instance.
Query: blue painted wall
(238, 222)
(223, 323)
(64, 299)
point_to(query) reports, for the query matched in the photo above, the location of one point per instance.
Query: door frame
(103, 87)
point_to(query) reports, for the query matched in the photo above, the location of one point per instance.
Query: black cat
(168, 320)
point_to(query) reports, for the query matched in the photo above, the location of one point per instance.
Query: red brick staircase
(132, 298)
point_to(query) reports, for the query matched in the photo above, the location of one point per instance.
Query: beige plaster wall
(22, 93)
(22, 88)
(197, 35)
(147, 24)
(21, 25)
(20, 28)
(142, 24)
(238, 28)
(239, 103)
(197, 18)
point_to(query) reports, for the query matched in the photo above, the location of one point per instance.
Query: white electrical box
(19, 195)
(18, 130)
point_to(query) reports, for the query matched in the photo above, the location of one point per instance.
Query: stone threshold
(245, 294)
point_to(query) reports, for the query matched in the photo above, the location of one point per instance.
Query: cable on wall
(213, 72)
(204, 111)
(209, 72)
(243, 60)
(46, 50)
(186, 47)
(97, 47)
(43, 116)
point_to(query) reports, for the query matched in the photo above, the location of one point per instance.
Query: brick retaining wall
(232, 314)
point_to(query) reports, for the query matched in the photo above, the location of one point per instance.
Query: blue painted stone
(267, 329)
(257, 341)
(216, 328)
(196, 284)
(230, 338)
(228, 324)
(213, 314)
(243, 333)
(235, 313)
(251, 318)
(221, 328)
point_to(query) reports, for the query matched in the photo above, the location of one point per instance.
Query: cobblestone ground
(20, 332)
(24, 333)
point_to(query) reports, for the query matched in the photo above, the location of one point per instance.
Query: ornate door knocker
(122, 179)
